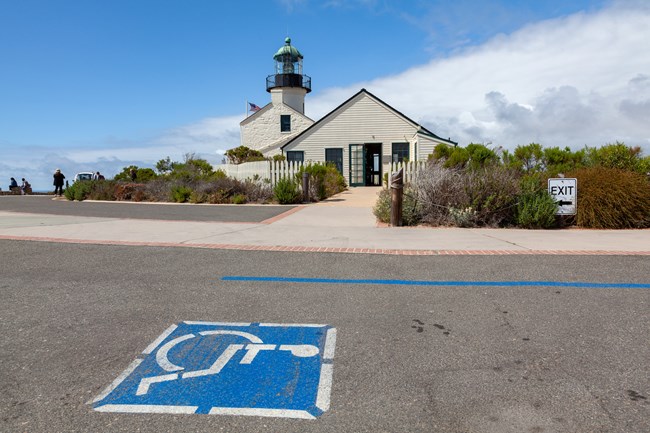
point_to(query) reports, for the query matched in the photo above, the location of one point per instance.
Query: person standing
(58, 182)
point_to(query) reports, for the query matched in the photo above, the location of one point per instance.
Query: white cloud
(570, 81)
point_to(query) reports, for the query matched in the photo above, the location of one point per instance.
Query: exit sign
(565, 192)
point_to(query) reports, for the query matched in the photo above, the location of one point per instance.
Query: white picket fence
(275, 170)
(410, 168)
(262, 170)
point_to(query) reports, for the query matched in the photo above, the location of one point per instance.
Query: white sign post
(565, 192)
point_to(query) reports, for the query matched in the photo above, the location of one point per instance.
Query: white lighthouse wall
(262, 129)
(294, 97)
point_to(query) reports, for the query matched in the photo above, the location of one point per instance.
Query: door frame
(365, 147)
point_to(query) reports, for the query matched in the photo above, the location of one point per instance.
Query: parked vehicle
(84, 175)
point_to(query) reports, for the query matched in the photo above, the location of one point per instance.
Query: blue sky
(98, 85)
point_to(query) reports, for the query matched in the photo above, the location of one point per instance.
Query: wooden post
(396, 195)
(305, 187)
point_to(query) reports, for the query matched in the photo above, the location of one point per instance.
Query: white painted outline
(150, 348)
(288, 325)
(330, 344)
(192, 322)
(119, 379)
(276, 413)
(324, 387)
(146, 408)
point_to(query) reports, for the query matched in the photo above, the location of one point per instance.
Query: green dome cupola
(288, 69)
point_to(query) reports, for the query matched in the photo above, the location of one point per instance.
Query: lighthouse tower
(269, 127)
(288, 85)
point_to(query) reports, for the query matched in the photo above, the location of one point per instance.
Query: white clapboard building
(362, 136)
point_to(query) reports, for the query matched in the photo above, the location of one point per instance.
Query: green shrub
(411, 210)
(609, 198)
(620, 156)
(238, 199)
(78, 190)
(242, 154)
(286, 191)
(325, 180)
(536, 208)
(180, 193)
(142, 175)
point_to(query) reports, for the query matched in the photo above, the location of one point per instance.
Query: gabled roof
(266, 108)
(421, 129)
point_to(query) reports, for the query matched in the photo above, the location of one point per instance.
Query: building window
(400, 152)
(285, 123)
(335, 156)
(295, 156)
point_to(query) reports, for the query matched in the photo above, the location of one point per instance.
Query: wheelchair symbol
(252, 348)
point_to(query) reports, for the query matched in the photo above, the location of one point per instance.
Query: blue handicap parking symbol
(262, 369)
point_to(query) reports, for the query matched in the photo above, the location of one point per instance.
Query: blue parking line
(575, 284)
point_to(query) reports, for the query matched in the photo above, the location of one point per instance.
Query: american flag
(254, 108)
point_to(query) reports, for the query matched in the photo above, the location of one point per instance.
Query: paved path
(343, 223)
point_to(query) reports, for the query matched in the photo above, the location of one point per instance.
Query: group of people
(59, 181)
(25, 187)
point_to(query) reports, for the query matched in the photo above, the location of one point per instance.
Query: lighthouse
(288, 85)
(269, 127)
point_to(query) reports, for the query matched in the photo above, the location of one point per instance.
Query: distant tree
(442, 151)
(165, 166)
(556, 160)
(480, 155)
(618, 155)
(528, 158)
(242, 154)
(141, 174)
(458, 158)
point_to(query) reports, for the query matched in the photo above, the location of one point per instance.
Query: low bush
(411, 209)
(536, 208)
(325, 180)
(238, 199)
(180, 193)
(102, 190)
(78, 190)
(286, 191)
(610, 198)
(437, 189)
(130, 191)
(463, 217)
(492, 193)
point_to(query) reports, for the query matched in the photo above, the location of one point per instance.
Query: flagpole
(247, 108)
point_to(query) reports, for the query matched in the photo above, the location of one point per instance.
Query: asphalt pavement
(445, 330)
(445, 358)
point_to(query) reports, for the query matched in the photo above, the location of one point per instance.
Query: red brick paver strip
(283, 248)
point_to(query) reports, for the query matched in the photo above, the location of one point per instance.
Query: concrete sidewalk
(344, 223)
